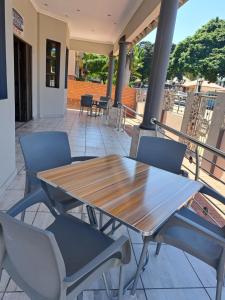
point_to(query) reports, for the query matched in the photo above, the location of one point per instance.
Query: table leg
(142, 263)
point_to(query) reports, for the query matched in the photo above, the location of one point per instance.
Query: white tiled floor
(170, 276)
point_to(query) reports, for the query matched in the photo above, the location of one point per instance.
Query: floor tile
(16, 296)
(170, 269)
(206, 273)
(177, 294)
(101, 295)
(212, 293)
(9, 198)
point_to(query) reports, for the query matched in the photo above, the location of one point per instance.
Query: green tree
(202, 54)
(136, 63)
(148, 50)
(96, 66)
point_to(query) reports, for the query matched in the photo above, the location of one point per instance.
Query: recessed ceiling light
(109, 15)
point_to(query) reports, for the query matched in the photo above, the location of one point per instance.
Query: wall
(78, 88)
(30, 36)
(7, 110)
(52, 100)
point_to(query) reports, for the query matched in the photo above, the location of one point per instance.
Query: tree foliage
(96, 66)
(202, 54)
(148, 50)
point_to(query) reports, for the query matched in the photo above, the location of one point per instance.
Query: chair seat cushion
(190, 241)
(78, 242)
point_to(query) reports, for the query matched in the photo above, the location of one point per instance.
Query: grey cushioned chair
(59, 262)
(161, 153)
(47, 150)
(191, 233)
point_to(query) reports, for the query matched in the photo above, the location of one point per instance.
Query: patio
(189, 279)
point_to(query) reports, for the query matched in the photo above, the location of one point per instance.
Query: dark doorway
(23, 80)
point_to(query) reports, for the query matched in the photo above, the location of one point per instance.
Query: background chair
(47, 150)
(102, 105)
(86, 101)
(60, 262)
(191, 233)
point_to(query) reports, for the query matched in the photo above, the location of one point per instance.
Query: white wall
(30, 36)
(52, 100)
(7, 110)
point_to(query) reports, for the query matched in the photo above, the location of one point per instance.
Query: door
(23, 80)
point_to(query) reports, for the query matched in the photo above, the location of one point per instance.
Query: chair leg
(100, 220)
(219, 287)
(121, 284)
(80, 296)
(106, 286)
(23, 216)
(158, 247)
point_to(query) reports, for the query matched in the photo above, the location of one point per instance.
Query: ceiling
(92, 20)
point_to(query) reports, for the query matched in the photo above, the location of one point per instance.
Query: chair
(191, 233)
(86, 102)
(161, 153)
(47, 150)
(102, 105)
(61, 261)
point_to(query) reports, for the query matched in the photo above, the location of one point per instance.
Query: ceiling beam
(90, 47)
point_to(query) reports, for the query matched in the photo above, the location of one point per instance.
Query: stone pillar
(163, 43)
(121, 71)
(154, 99)
(72, 63)
(110, 75)
(215, 137)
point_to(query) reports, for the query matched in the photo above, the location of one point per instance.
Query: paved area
(170, 276)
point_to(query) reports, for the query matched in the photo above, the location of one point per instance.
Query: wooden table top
(139, 195)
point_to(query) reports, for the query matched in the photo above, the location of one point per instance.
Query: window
(3, 78)
(66, 67)
(52, 63)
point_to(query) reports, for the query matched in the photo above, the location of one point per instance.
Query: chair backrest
(103, 103)
(43, 151)
(32, 258)
(161, 153)
(86, 100)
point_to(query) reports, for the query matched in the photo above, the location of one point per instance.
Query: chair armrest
(82, 158)
(38, 196)
(121, 245)
(206, 190)
(189, 224)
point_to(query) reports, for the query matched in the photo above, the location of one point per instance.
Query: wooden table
(138, 195)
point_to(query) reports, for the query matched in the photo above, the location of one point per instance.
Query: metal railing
(130, 117)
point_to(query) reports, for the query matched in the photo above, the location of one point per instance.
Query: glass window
(52, 63)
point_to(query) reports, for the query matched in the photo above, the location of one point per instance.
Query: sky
(191, 16)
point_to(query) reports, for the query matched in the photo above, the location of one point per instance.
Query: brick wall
(78, 88)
